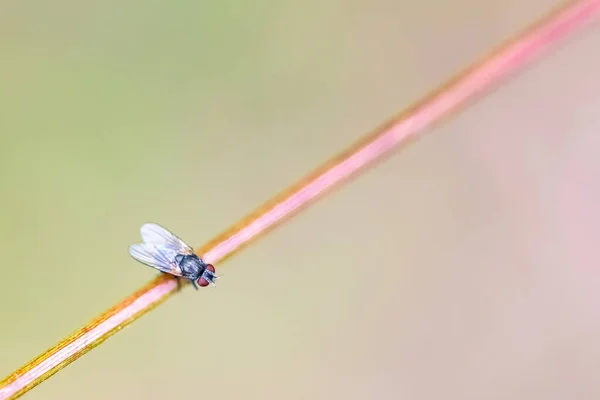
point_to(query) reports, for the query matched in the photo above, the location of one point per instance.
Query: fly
(167, 253)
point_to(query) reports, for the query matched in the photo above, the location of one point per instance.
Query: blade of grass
(442, 103)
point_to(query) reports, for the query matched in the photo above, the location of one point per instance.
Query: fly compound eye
(202, 282)
(208, 276)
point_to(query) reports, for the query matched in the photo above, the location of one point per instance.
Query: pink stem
(449, 98)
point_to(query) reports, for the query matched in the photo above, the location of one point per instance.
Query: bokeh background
(463, 267)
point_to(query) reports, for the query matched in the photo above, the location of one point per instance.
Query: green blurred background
(464, 267)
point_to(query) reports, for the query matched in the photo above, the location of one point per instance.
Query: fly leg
(194, 283)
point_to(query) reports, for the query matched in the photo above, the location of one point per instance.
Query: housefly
(167, 253)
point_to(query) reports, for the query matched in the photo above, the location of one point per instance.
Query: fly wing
(156, 256)
(157, 235)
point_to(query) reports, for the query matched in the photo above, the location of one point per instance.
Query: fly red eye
(202, 282)
(210, 267)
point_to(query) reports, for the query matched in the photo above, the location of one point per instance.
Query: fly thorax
(191, 266)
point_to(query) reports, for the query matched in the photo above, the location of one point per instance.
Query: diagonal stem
(449, 99)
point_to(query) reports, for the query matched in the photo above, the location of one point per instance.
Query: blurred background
(463, 267)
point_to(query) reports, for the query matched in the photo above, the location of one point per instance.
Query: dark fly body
(167, 253)
(193, 267)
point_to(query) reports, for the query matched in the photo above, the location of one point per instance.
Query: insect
(167, 253)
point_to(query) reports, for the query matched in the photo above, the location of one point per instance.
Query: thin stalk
(445, 101)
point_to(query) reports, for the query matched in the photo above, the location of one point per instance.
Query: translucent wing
(157, 235)
(156, 256)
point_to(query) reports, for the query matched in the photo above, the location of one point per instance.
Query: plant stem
(445, 101)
